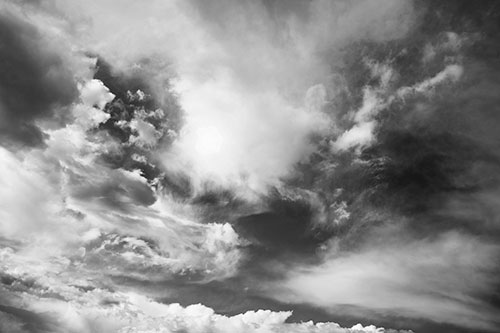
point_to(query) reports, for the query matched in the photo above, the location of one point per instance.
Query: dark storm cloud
(431, 148)
(18, 320)
(287, 225)
(34, 84)
(425, 184)
(428, 146)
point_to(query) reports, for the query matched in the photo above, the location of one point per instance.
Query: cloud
(61, 300)
(212, 255)
(95, 93)
(451, 73)
(441, 279)
(9, 323)
(63, 199)
(375, 99)
(36, 83)
(231, 143)
(167, 127)
(256, 92)
(420, 241)
(246, 86)
(360, 135)
(27, 198)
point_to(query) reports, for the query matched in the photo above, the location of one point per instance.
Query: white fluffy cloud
(95, 93)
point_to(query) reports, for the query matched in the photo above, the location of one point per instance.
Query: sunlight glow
(208, 140)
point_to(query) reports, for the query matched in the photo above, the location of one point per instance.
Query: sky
(249, 166)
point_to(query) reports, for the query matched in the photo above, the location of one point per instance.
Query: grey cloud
(425, 182)
(444, 279)
(118, 191)
(35, 82)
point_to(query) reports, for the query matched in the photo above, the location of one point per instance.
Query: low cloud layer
(54, 296)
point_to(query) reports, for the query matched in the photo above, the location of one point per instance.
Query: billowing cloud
(68, 201)
(326, 160)
(245, 81)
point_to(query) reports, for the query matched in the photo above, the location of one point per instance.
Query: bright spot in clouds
(208, 141)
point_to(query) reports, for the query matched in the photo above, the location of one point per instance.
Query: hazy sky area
(265, 166)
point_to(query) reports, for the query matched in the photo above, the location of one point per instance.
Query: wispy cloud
(442, 278)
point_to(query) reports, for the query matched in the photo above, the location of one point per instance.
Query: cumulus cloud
(95, 93)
